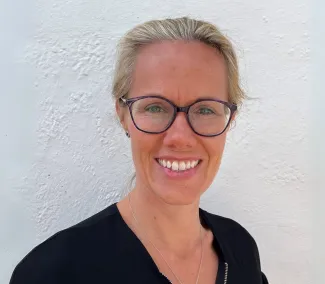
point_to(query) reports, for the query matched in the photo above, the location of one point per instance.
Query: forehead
(179, 70)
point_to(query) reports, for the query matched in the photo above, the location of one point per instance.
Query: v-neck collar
(217, 242)
(134, 241)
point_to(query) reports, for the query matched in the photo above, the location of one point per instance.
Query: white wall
(63, 157)
(318, 141)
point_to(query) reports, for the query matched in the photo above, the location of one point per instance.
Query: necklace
(171, 270)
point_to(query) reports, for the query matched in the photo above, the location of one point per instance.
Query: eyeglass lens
(154, 115)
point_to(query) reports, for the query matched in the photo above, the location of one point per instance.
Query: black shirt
(103, 249)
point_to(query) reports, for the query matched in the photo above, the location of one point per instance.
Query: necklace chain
(138, 224)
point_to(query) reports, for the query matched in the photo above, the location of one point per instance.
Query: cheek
(143, 148)
(215, 149)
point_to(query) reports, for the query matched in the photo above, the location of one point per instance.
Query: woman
(176, 88)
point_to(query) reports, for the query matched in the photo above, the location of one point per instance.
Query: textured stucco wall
(63, 157)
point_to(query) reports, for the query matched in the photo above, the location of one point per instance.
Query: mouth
(178, 166)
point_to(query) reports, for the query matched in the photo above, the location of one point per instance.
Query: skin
(167, 208)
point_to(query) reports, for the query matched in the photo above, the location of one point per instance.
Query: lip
(171, 158)
(179, 174)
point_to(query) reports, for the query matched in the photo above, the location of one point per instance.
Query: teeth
(182, 166)
(178, 165)
(175, 166)
(194, 164)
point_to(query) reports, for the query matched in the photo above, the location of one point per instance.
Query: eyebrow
(206, 97)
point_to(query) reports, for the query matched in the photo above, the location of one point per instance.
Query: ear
(120, 111)
(233, 121)
(233, 118)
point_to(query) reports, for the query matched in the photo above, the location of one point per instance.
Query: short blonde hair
(174, 29)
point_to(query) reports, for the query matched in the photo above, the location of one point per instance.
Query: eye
(205, 111)
(154, 109)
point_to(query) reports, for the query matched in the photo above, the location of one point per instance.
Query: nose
(180, 136)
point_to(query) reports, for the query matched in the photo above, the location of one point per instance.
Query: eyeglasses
(155, 114)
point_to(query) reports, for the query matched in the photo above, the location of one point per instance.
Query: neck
(171, 227)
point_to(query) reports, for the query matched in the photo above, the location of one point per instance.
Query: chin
(176, 194)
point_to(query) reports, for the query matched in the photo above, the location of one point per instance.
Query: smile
(178, 166)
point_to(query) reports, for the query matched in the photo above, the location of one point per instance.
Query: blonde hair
(174, 29)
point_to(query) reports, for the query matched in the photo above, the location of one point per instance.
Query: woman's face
(181, 72)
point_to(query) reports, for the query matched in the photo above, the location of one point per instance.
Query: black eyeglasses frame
(129, 102)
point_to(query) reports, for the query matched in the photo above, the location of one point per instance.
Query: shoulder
(50, 261)
(235, 240)
(40, 264)
(227, 226)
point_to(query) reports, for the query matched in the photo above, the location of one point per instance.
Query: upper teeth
(178, 165)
